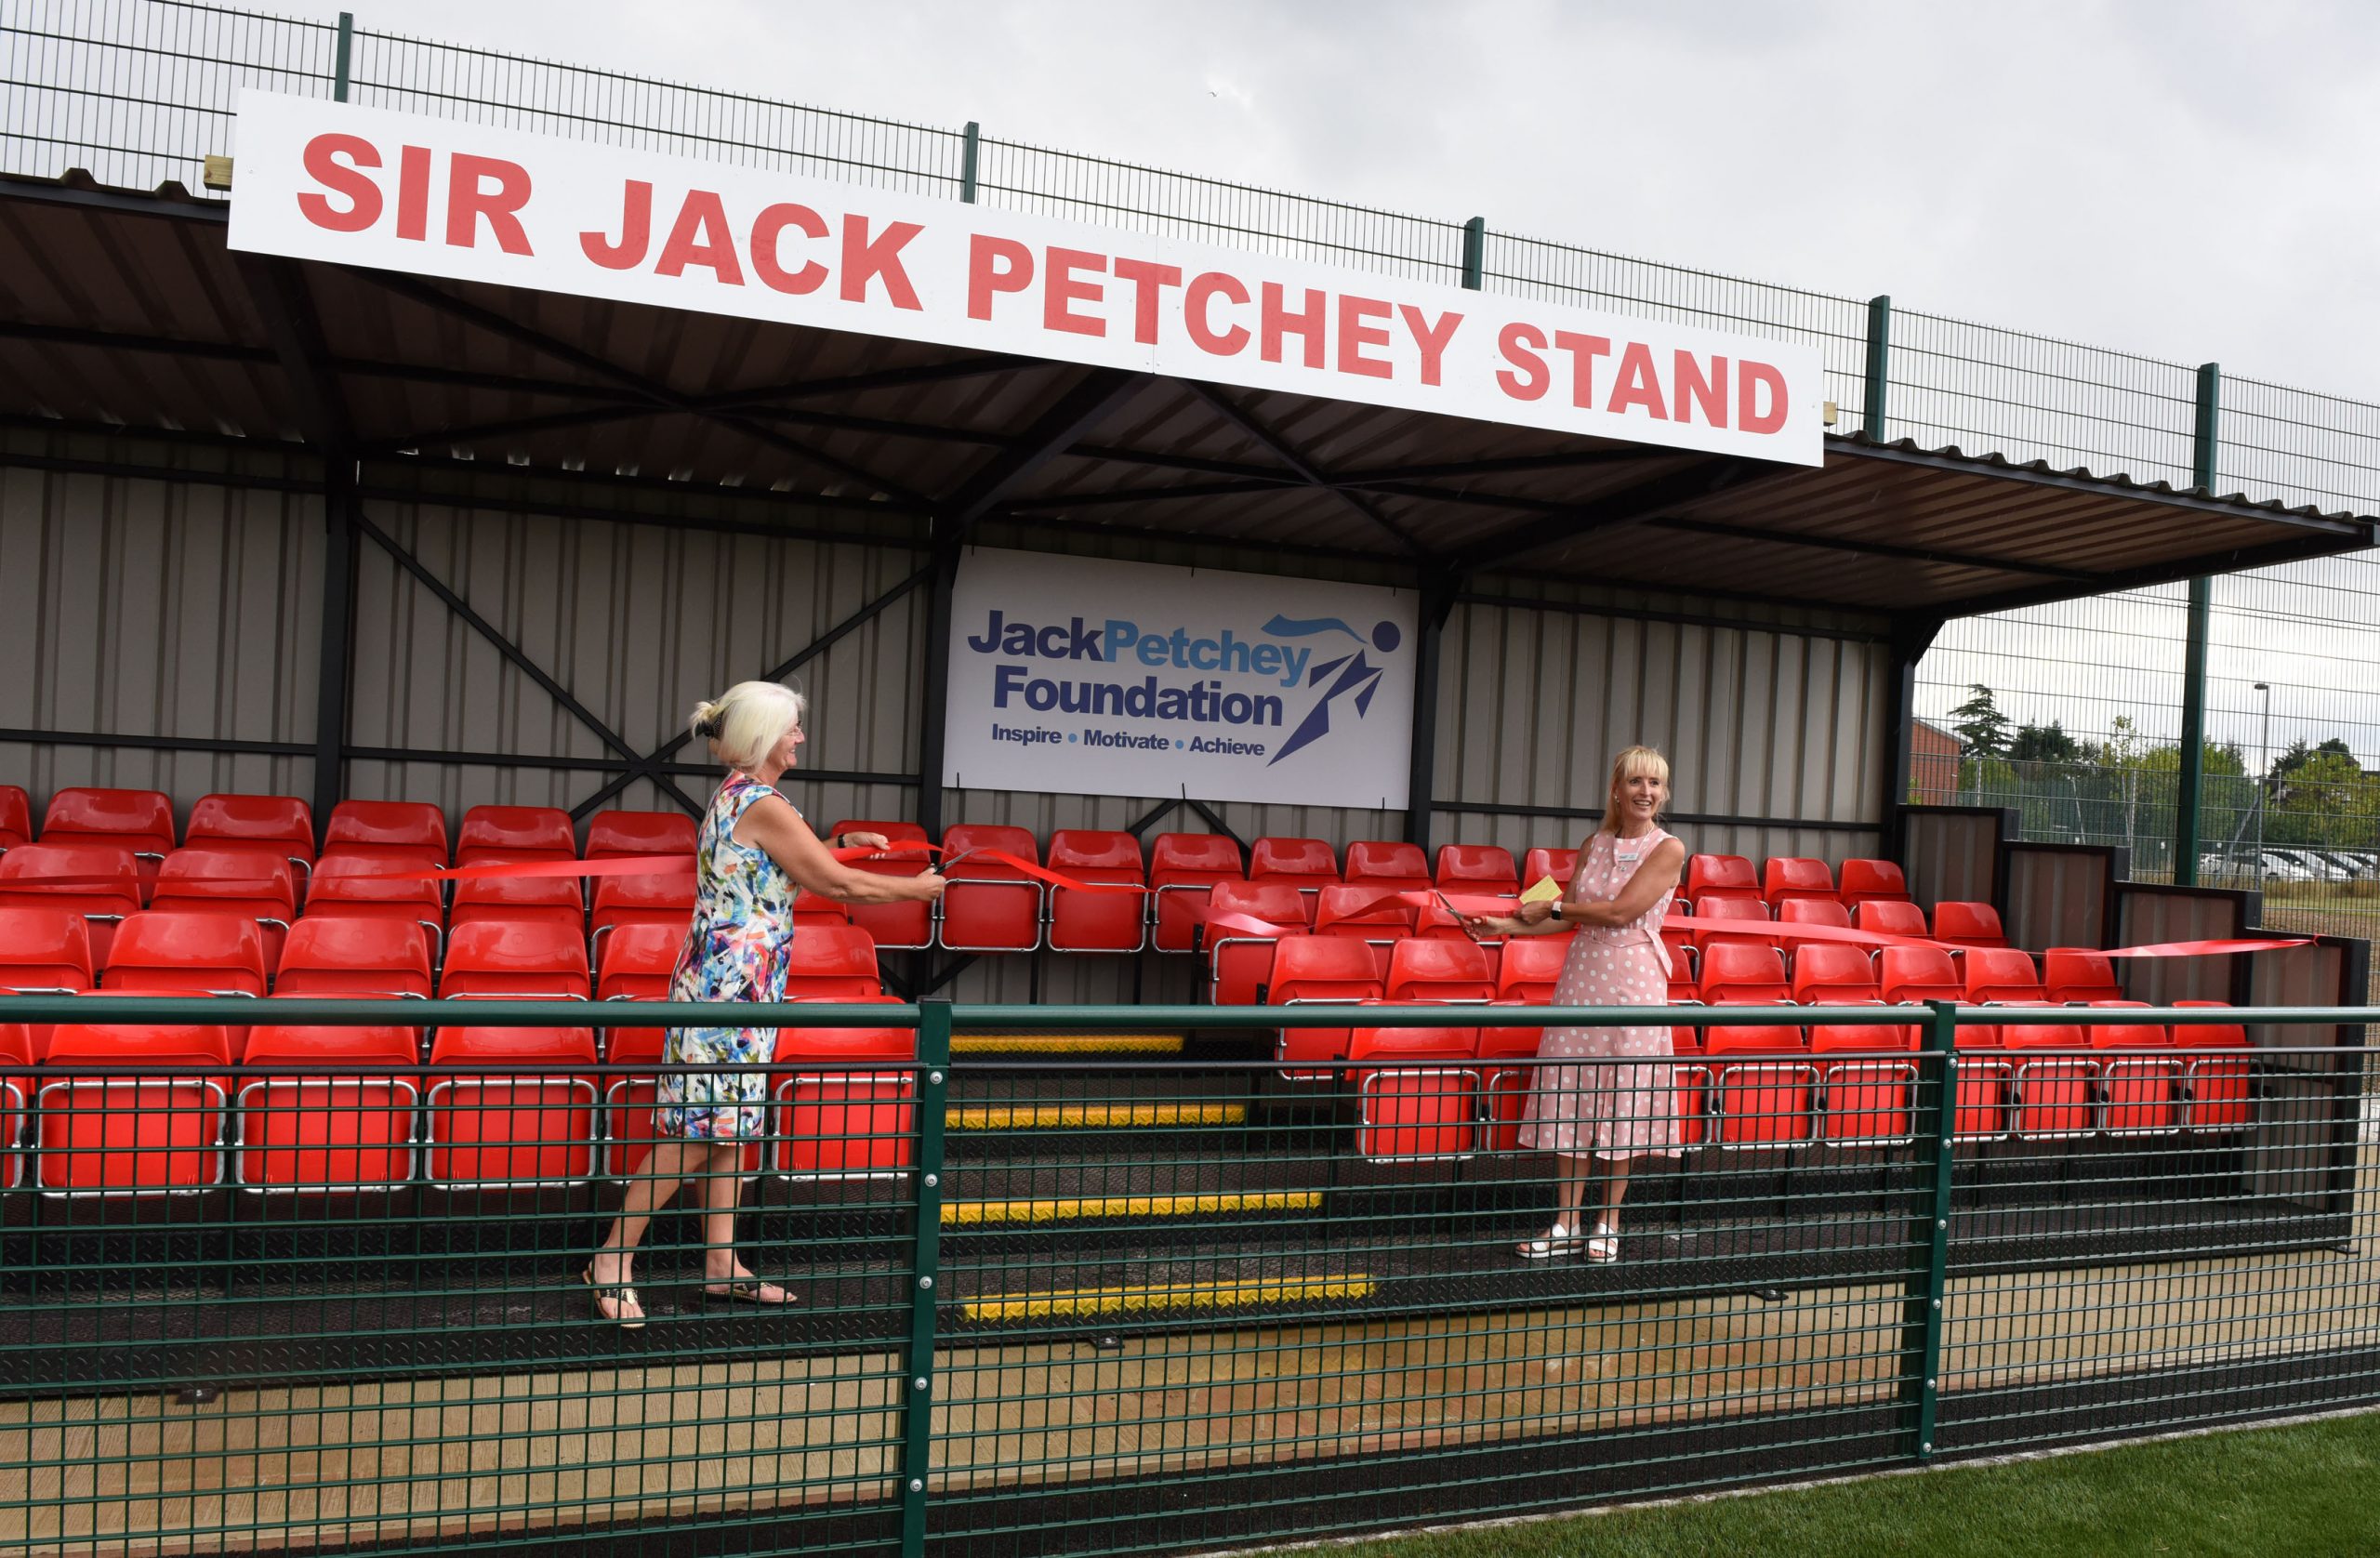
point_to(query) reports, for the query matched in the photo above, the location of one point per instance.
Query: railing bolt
(932, 1180)
(934, 1077)
(919, 1384)
(917, 1484)
(1941, 1222)
(925, 1282)
(1937, 1303)
(1929, 1384)
(1926, 1448)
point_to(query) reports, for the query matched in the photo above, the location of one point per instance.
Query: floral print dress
(737, 949)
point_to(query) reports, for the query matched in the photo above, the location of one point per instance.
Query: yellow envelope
(1545, 889)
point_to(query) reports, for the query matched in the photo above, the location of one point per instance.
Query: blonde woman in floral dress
(754, 852)
(1612, 1114)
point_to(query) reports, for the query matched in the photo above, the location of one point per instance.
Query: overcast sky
(2188, 180)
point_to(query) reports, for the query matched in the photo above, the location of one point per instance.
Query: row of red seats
(1956, 922)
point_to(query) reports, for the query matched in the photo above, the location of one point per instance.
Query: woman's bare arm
(773, 825)
(1656, 876)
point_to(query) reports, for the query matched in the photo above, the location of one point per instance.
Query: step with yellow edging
(1067, 1044)
(1083, 1209)
(1096, 1117)
(1162, 1297)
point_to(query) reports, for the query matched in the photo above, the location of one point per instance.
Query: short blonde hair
(745, 722)
(1628, 765)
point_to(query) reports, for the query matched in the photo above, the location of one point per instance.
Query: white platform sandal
(1603, 1245)
(1554, 1244)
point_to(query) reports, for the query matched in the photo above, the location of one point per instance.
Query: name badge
(1628, 857)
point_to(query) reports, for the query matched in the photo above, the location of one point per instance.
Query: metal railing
(1261, 1285)
(140, 93)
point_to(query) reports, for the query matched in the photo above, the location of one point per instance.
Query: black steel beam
(1438, 596)
(225, 746)
(1117, 496)
(1655, 495)
(1913, 635)
(1868, 549)
(1279, 448)
(2237, 560)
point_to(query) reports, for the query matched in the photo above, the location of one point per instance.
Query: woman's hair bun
(706, 721)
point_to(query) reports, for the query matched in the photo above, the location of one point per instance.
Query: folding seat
(1083, 921)
(988, 906)
(16, 816)
(1750, 910)
(635, 962)
(1868, 880)
(906, 926)
(336, 1128)
(1919, 973)
(2140, 1082)
(1890, 917)
(1743, 973)
(490, 834)
(1387, 867)
(1439, 971)
(1339, 910)
(355, 887)
(413, 831)
(1479, 869)
(1539, 864)
(2003, 974)
(1416, 1093)
(2056, 1080)
(2076, 976)
(1684, 986)
(1761, 1086)
(15, 1055)
(2221, 1084)
(98, 881)
(44, 951)
(611, 835)
(142, 820)
(497, 959)
(200, 953)
(1980, 1106)
(1239, 960)
(1506, 1081)
(1832, 973)
(833, 963)
(1308, 968)
(1814, 911)
(276, 826)
(1867, 1100)
(629, 1134)
(1437, 922)
(327, 956)
(1308, 864)
(1709, 877)
(663, 901)
(1963, 924)
(1532, 967)
(554, 901)
(124, 1133)
(1182, 867)
(847, 1111)
(254, 884)
(1785, 878)
(516, 1108)
(809, 909)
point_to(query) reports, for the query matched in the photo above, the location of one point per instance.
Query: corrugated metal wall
(2057, 897)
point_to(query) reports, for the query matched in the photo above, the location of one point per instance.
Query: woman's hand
(1535, 914)
(926, 885)
(1478, 925)
(866, 842)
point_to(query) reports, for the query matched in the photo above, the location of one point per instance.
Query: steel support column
(334, 662)
(2191, 787)
(1422, 771)
(1880, 347)
(1911, 637)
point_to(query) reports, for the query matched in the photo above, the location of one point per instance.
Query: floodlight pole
(2192, 785)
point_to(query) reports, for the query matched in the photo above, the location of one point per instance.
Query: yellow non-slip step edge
(1076, 1208)
(1066, 1302)
(1067, 1044)
(1095, 1116)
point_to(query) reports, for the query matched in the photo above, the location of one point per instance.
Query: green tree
(2326, 801)
(1982, 729)
(2044, 744)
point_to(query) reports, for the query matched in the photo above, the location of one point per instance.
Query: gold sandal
(621, 1294)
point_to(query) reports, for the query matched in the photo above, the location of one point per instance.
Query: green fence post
(1880, 350)
(925, 1271)
(2191, 785)
(1474, 253)
(346, 49)
(970, 146)
(1936, 1107)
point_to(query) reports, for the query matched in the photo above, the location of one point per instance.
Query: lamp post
(2263, 779)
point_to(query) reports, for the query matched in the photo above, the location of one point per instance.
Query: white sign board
(1083, 676)
(399, 191)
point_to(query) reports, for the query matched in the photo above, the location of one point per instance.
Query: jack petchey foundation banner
(1090, 677)
(441, 197)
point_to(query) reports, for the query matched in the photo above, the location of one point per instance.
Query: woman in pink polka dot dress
(1622, 887)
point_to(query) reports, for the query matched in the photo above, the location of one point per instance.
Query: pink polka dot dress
(1608, 1111)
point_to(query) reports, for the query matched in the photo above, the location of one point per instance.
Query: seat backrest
(2209, 1036)
(2043, 1035)
(1813, 911)
(408, 829)
(516, 833)
(1531, 966)
(1966, 924)
(1321, 967)
(1833, 1037)
(1387, 865)
(1307, 862)
(301, 1044)
(16, 816)
(2002, 973)
(44, 948)
(142, 820)
(1739, 968)
(554, 900)
(611, 834)
(1423, 970)
(1339, 910)
(1750, 910)
(1719, 876)
(135, 1044)
(657, 893)
(2129, 1036)
(2071, 973)
(370, 884)
(489, 956)
(98, 871)
(836, 952)
(958, 839)
(388, 949)
(1762, 1041)
(1826, 971)
(226, 951)
(1787, 876)
(634, 955)
(797, 1044)
(1274, 902)
(1412, 1044)
(1193, 857)
(1116, 855)
(1890, 917)
(196, 876)
(284, 822)
(1863, 879)
(1918, 974)
(538, 1047)
(1478, 868)
(1541, 864)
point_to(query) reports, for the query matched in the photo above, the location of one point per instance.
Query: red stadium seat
(142, 820)
(99, 882)
(663, 901)
(1963, 924)
(1833, 973)
(988, 906)
(1539, 864)
(1416, 1093)
(635, 962)
(1890, 916)
(406, 830)
(44, 951)
(1868, 880)
(1750, 910)
(16, 1055)
(1339, 910)
(629, 1134)
(1760, 1096)
(811, 908)
(1710, 878)
(1742, 973)
(2223, 1084)
(906, 926)
(499, 958)
(2079, 977)
(127, 1134)
(2004, 974)
(1505, 1081)
(1437, 970)
(1308, 968)
(847, 1111)
(1785, 878)
(1387, 867)
(1307, 864)
(1867, 1100)
(517, 1110)
(202, 954)
(1980, 1110)
(1684, 986)
(16, 816)
(1919, 973)
(331, 1130)
(1485, 868)
(498, 833)
(833, 963)
(326, 956)
(1081, 921)
(353, 887)
(1239, 960)
(1532, 967)
(279, 826)
(1814, 911)
(2140, 1082)
(253, 883)
(2055, 1081)
(1182, 867)
(613, 834)
(554, 901)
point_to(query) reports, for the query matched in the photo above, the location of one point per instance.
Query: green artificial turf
(2311, 1488)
